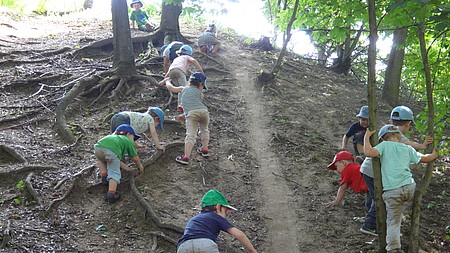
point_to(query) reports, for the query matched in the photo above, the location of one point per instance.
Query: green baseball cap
(214, 197)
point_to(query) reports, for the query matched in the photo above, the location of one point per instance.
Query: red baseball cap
(343, 155)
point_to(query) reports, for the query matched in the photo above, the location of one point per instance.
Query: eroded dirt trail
(282, 225)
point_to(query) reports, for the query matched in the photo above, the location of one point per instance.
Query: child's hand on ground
(332, 203)
(141, 169)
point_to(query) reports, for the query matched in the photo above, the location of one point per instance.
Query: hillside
(269, 151)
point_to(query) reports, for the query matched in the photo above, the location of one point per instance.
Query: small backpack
(173, 51)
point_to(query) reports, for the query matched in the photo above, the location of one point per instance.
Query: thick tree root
(75, 177)
(6, 235)
(148, 208)
(13, 173)
(30, 189)
(12, 153)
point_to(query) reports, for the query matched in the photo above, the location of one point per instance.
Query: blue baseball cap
(387, 129)
(364, 112)
(136, 2)
(402, 113)
(126, 129)
(199, 76)
(185, 49)
(160, 115)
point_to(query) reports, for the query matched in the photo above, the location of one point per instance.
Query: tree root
(26, 114)
(75, 177)
(30, 189)
(60, 124)
(214, 69)
(6, 149)
(165, 237)
(148, 208)
(6, 235)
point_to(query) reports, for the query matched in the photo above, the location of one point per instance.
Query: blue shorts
(119, 119)
(112, 162)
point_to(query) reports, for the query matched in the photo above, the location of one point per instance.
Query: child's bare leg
(112, 185)
(149, 27)
(188, 148)
(102, 167)
(215, 49)
(360, 148)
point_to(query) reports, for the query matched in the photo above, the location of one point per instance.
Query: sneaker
(395, 251)
(369, 231)
(112, 197)
(182, 159)
(105, 181)
(204, 152)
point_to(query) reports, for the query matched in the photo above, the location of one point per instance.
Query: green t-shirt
(395, 159)
(140, 17)
(119, 144)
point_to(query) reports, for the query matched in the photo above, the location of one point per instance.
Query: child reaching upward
(398, 183)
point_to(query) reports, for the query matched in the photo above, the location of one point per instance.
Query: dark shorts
(358, 138)
(119, 119)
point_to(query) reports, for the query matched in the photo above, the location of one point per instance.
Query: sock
(104, 174)
(112, 193)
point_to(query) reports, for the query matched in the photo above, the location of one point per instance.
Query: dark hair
(194, 82)
(397, 122)
(209, 209)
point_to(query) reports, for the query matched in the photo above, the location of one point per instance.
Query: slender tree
(373, 106)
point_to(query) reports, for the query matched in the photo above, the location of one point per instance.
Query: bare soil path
(281, 221)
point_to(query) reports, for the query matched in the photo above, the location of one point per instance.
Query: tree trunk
(426, 179)
(287, 37)
(344, 61)
(170, 26)
(391, 88)
(123, 59)
(373, 106)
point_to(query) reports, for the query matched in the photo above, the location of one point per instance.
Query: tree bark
(344, 61)
(373, 107)
(123, 59)
(427, 177)
(391, 88)
(170, 25)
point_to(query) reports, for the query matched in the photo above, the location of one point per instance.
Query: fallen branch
(30, 189)
(75, 177)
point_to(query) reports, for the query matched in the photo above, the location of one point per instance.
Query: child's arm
(166, 65)
(138, 163)
(242, 238)
(344, 142)
(155, 137)
(339, 196)
(429, 157)
(420, 146)
(196, 64)
(369, 151)
(172, 88)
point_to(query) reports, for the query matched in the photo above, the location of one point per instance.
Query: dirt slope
(269, 152)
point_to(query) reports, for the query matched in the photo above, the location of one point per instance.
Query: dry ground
(269, 152)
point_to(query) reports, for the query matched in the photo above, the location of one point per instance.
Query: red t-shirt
(353, 178)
